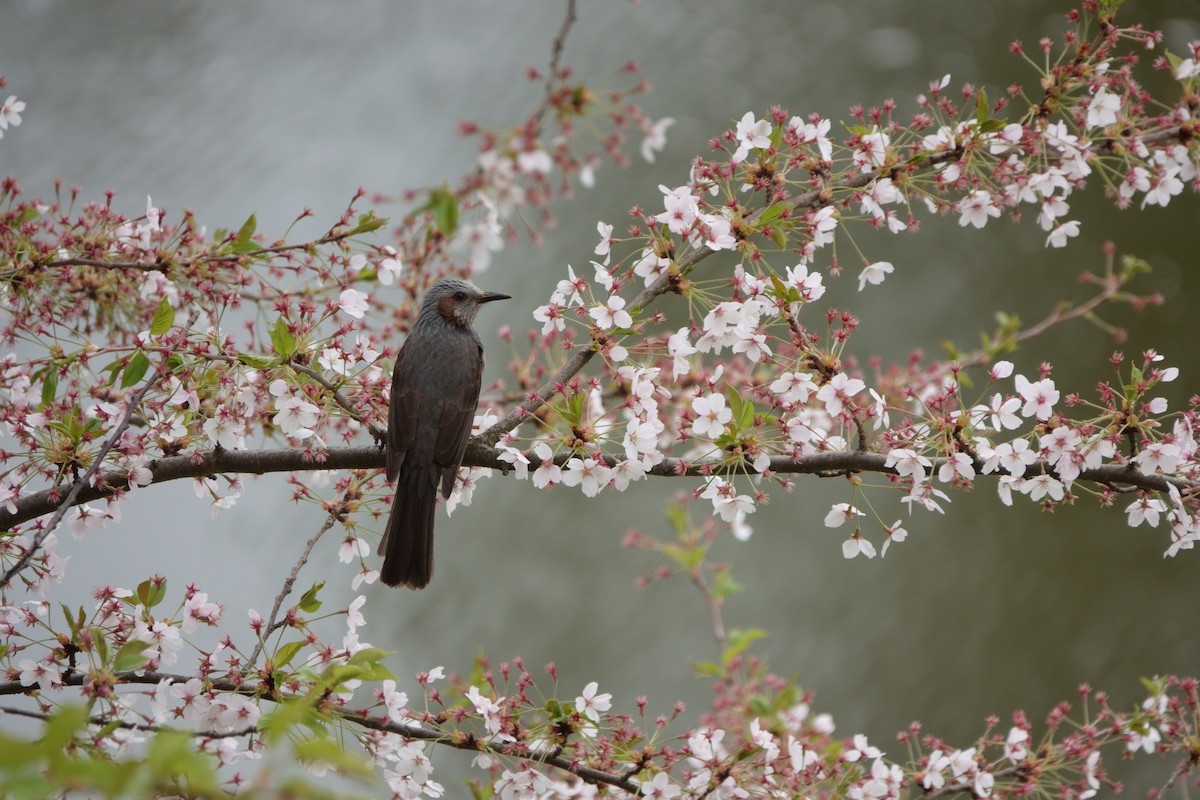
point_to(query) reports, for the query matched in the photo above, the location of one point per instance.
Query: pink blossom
(353, 302)
(751, 134)
(655, 137)
(840, 514)
(874, 274)
(590, 704)
(976, 208)
(712, 416)
(611, 314)
(10, 112)
(908, 463)
(838, 391)
(1039, 397)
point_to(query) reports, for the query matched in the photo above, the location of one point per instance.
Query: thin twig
(129, 726)
(378, 433)
(159, 265)
(272, 624)
(560, 41)
(714, 608)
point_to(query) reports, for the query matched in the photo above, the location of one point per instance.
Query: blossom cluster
(759, 390)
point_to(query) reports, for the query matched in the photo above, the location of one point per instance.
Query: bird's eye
(460, 295)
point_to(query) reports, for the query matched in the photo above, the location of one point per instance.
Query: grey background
(271, 107)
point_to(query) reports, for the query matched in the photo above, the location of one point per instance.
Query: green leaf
(164, 318)
(677, 517)
(759, 706)
(369, 655)
(735, 404)
(1135, 379)
(150, 593)
(114, 370)
(743, 410)
(282, 339)
(709, 669)
(739, 641)
(172, 759)
(285, 654)
(327, 752)
(62, 726)
(258, 362)
(375, 672)
(49, 386)
(981, 107)
(130, 656)
(573, 413)
(70, 618)
(781, 288)
(724, 584)
(686, 557)
(746, 418)
(444, 206)
(100, 638)
(286, 715)
(1132, 266)
(244, 241)
(556, 710)
(135, 370)
(771, 212)
(309, 602)
(366, 223)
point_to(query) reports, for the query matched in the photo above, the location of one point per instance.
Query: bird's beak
(488, 297)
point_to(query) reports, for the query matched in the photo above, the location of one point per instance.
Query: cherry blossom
(590, 474)
(353, 302)
(655, 140)
(874, 274)
(660, 787)
(591, 704)
(682, 209)
(976, 208)
(611, 314)
(838, 392)
(908, 463)
(712, 416)
(857, 544)
(1039, 397)
(840, 514)
(751, 134)
(10, 112)
(604, 247)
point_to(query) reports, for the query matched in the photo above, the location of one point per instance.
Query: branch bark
(479, 454)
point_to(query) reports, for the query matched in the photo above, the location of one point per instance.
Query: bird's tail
(407, 545)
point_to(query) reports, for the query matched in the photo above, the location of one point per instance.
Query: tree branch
(360, 717)
(479, 454)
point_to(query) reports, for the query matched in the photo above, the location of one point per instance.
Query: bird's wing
(403, 415)
(454, 425)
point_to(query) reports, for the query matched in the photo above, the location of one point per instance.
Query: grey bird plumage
(435, 388)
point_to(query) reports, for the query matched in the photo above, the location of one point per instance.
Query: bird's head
(457, 301)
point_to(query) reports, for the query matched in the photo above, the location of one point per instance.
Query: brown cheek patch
(445, 308)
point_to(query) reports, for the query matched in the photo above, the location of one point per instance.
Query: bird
(435, 388)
